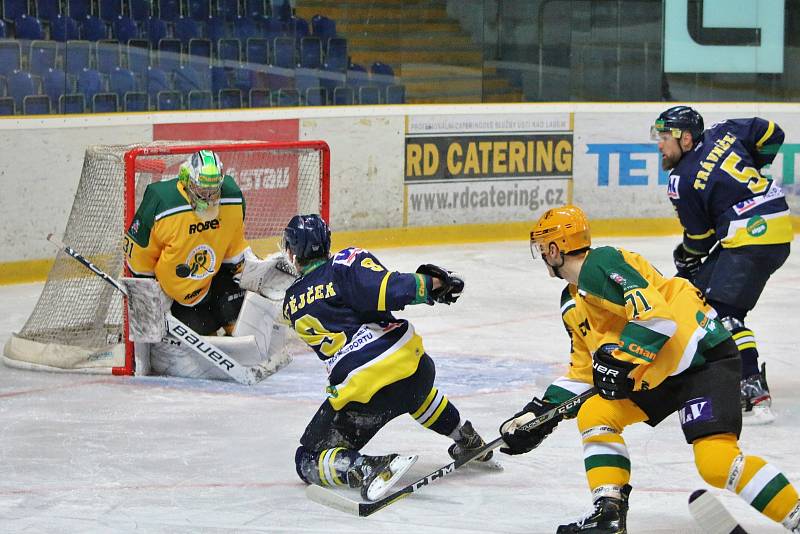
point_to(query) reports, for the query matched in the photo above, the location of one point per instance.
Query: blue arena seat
(19, 84)
(192, 78)
(79, 9)
(316, 96)
(140, 10)
(369, 95)
(138, 58)
(198, 10)
(254, 8)
(10, 57)
(244, 28)
(257, 51)
(343, 96)
(90, 82)
(199, 100)
(323, 27)
(47, 9)
(283, 53)
(229, 99)
(227, 9)
(155, 29)
(108, 55)
(36, 105)
(136, 101)
(109, 10)
(64, 28)
(28, 28)
(2, 29)
(288, 98)
(215, 29)
(200, 50)
(169, 10)
(41, 56)
(124, 29)
(55, 83)
(93, 29)
(121, 81)
(7, 106)
(105, 103)
(157, 80)
(259, 98)
(13, 9)
(336, 54)
(170, 101)
(229, 50)
(395, 94)
(72, 103)
(273, 28)
(310, 52)
(298, 27)
(185, 30)
(77, 56)
(169, 54)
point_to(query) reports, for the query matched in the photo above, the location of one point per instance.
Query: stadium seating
(124, 29)
(41, 57)
(64, 28)
(169, 101)
(7, 106)
(55, 84)
(109, 10)
(136, 101)
(369, 95)
(36, 105)
(155, 30)
(72, 103)
(47, 9)
(230, 99)
(19, 84)
(108, 55)
(77, 56)
(28, 28)
(13, 9)
(140, 10)
(10, 57)
(121, 81)
(90, 83)
(199, 100)
(169, 10)
(105, 103)
(259, 98)
(93, 29)
(78, 10)
(198, 10)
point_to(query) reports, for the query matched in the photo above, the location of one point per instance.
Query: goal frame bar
(221, 147)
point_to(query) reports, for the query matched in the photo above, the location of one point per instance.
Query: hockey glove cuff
(687, 263)
(610, 374)
(452, 284)
(519, 441)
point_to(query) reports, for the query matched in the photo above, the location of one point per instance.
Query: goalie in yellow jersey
(651, 346)
(188, 234)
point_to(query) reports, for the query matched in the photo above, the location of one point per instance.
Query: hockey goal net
(79, 322)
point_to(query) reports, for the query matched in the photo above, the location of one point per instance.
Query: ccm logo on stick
(202, 346)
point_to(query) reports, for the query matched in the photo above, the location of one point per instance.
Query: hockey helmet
(565, 226)
(677, 119)
(307, 237)
(202, 177)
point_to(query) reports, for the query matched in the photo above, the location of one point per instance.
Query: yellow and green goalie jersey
(660, 324)
(166, 232)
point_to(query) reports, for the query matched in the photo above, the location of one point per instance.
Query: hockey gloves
(686, 263)
(519, 441)
(610, 374)
(452, 284)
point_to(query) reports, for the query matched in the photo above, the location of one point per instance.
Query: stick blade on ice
(711, 514)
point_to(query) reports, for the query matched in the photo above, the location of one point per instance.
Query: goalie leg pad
(147, 304)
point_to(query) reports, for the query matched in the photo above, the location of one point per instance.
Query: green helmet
(202, 177)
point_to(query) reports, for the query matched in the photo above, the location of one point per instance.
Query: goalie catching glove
(451, 288)
(269, 277)
(610, 374)
(520, 441)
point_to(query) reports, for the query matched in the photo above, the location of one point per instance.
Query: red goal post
(79, 325)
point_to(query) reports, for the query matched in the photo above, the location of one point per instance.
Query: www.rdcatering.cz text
(533, 198)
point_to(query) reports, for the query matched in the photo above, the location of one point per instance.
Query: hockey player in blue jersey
(736, 224)
(341, 306)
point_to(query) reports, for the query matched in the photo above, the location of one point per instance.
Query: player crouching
(341, 307)
(186, 249)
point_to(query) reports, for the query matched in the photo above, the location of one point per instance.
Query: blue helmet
(677, 119)
(308, 237)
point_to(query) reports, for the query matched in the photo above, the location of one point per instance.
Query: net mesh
(77, 308)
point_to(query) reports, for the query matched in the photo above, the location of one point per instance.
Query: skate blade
(760, 415)
(380, 487)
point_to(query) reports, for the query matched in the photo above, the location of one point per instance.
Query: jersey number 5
(749, 176)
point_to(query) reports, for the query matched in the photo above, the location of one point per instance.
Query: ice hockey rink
(105, 454)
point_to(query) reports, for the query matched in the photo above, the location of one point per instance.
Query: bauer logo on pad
(696, 410)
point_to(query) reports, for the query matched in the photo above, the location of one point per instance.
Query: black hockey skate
(608, 517)
(375, 475)
(756, 400)
(470, 442)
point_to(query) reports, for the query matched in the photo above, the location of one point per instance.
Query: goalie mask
(202, 177)
(566, 226)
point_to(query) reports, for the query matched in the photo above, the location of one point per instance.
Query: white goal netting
(78, 323)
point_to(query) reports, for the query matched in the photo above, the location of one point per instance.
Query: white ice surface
(100, 454)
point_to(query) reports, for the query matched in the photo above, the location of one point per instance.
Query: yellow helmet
(566, 226)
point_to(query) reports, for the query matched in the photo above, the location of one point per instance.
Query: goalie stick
(711, 515)
(240, 373)
(332, 499)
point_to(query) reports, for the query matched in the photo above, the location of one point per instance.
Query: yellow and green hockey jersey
(661, 324)
(166, 232)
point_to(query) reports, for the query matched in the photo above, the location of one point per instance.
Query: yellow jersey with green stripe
(661, 324)
(342, 308)
(166, 232)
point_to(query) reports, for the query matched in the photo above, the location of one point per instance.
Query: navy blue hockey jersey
(719, 193)
(342, 309)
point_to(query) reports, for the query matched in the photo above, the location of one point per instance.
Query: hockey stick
(712, 515)
(244, 375)
(334, 500)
